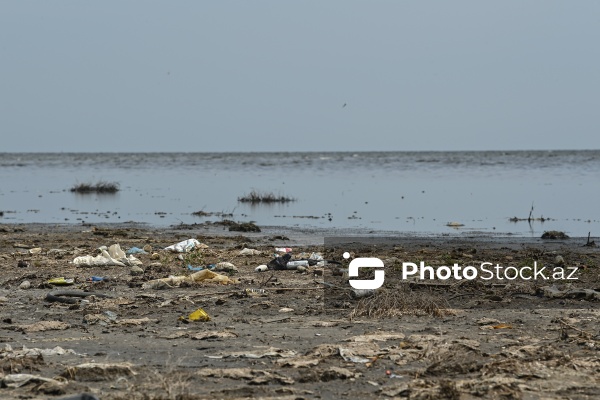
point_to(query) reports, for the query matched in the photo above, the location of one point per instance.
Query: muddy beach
(294, 337)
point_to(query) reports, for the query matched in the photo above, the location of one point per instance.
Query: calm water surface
(416, 192)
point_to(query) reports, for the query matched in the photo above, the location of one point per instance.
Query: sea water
(407, 192)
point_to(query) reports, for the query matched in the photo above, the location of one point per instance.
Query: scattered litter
(283, 250)
(136, 250)
(17, 380)
(43, 326)
(213, 335)
(195, 269)
(200, 276)
(380, 336)
(554, 292)
(35, 250)
(268, 352)
(392, 375)
(261, 268)
(348, 356)
(97, 279)
(357, 352)
(279, 263)
(8, 352)
(296, 264)
(249, 252)
(256, 292)
(61, 281)
(286, 310)
(66, 296)
(112, 316)
(198, 315)
(107, 257)
(226, 267)
(185, 246)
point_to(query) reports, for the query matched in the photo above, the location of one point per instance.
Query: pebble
(147, 248)
(25, 285)
(559, 260)
(136, 271)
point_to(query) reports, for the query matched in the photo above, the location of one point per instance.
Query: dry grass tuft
(401, 301)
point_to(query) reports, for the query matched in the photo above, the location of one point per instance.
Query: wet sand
(463, 340)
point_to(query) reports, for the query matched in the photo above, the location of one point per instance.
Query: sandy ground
(446, 339)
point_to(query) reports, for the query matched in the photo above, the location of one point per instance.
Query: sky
(335, 75)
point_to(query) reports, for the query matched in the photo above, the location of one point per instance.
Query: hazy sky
(274, 75)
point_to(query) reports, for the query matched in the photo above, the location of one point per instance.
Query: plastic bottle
(296, 264)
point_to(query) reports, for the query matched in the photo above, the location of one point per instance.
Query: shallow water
(371, 191)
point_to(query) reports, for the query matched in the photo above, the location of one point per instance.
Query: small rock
(155, 256)
(23, 264)
(25, 285)
(136, 271)
(35, 250)
(147, 248)
(559, 260)
(286, 310)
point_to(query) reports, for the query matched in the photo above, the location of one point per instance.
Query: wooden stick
(588, 334)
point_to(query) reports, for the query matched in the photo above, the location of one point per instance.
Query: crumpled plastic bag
(201, 276)
(249, 252)
(184, 246)
(111, 256)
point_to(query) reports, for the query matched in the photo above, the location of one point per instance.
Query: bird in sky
(345, 104)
